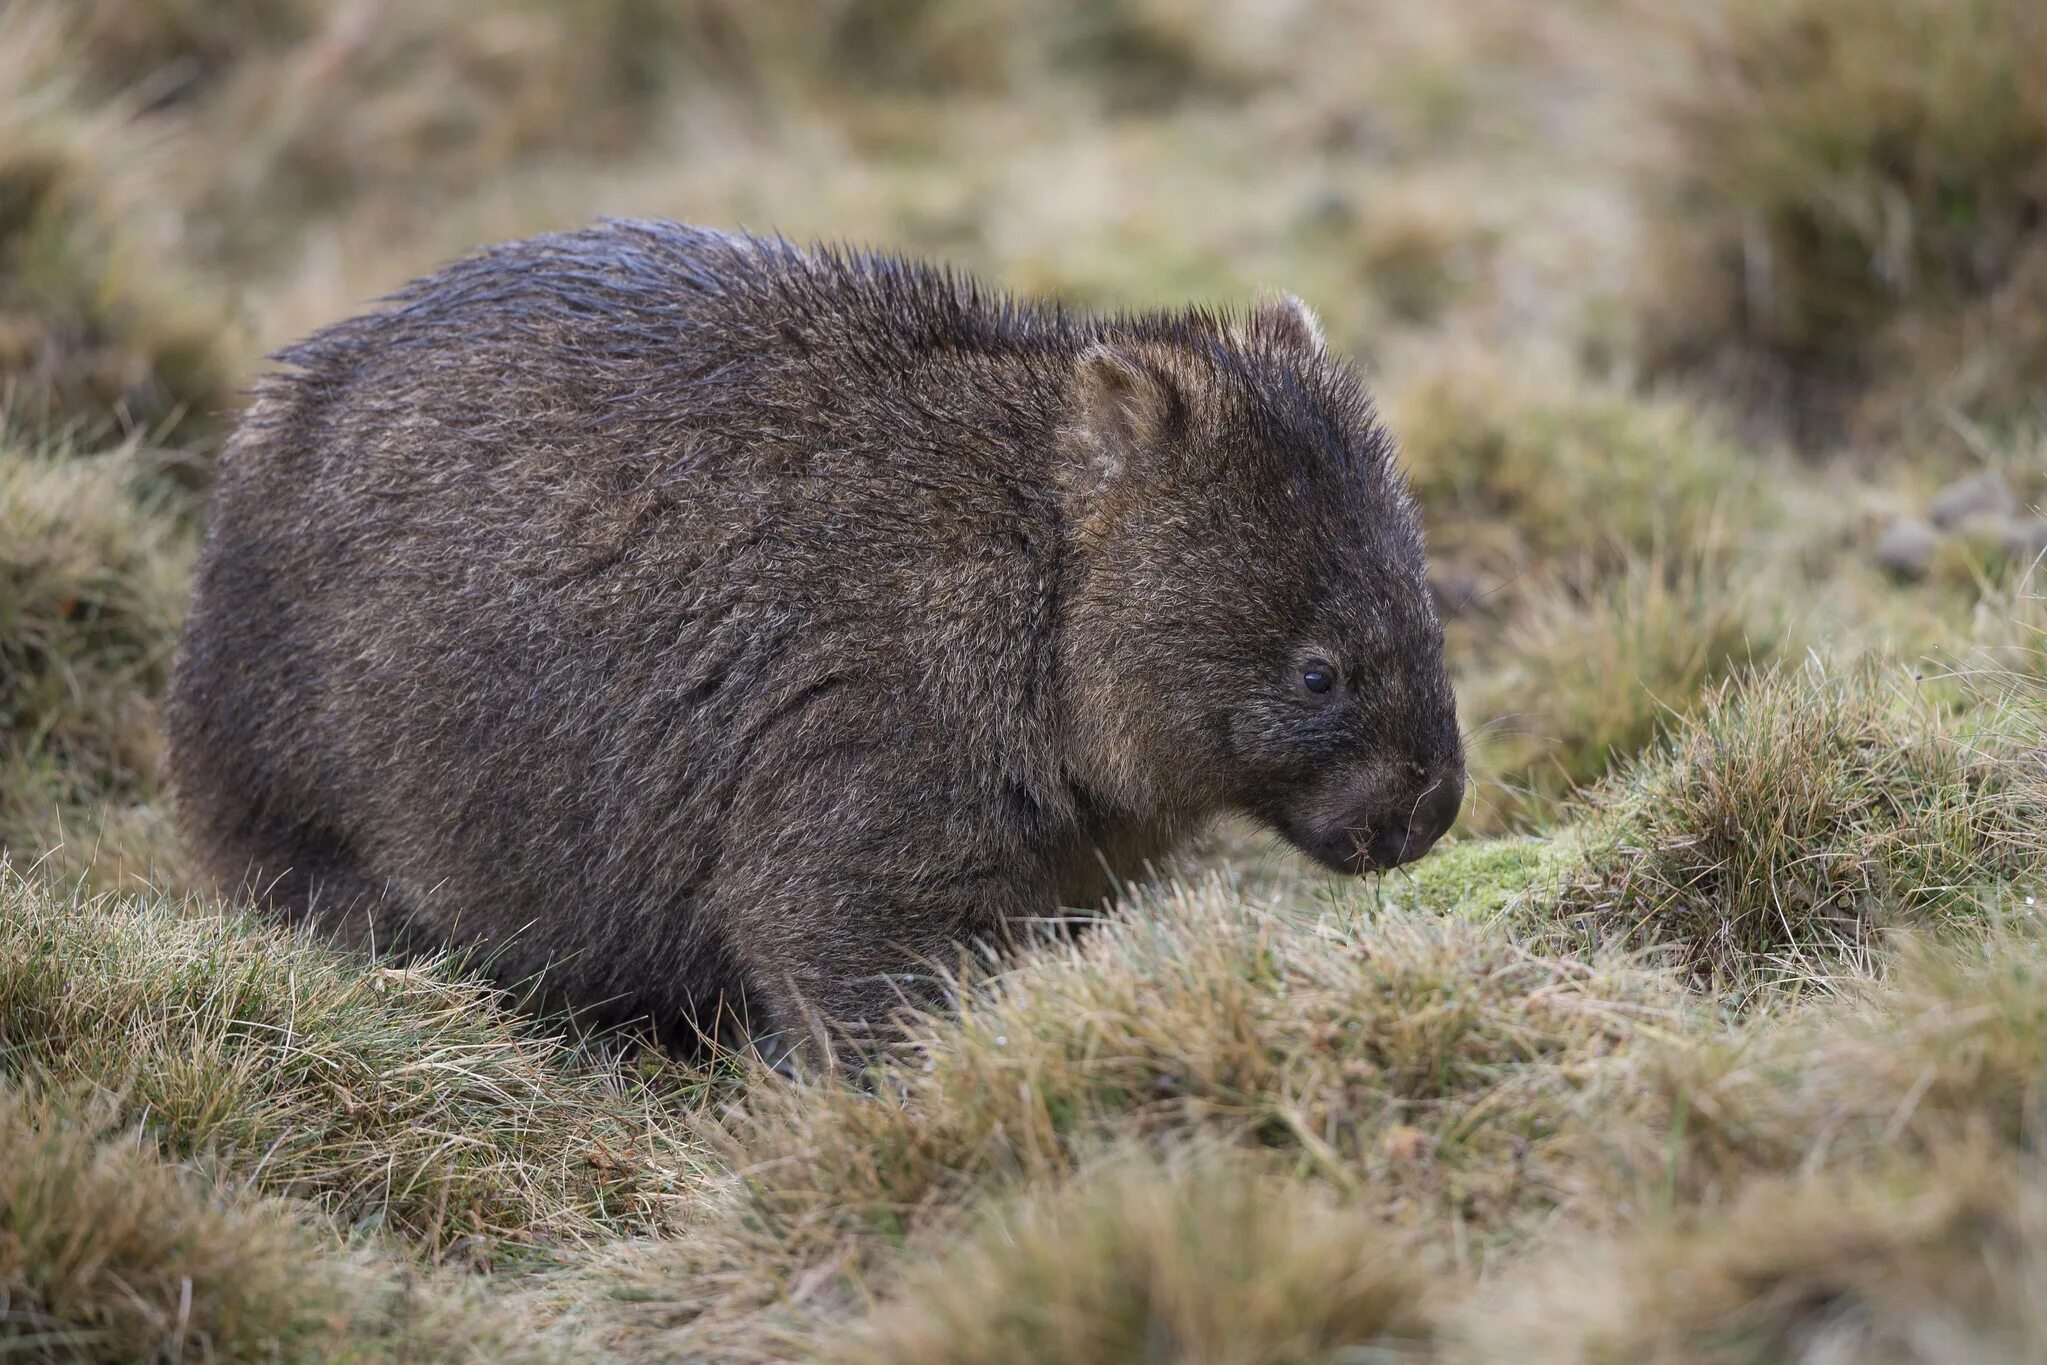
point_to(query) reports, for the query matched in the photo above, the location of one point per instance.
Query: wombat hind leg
(308, 875)
(832, 1003)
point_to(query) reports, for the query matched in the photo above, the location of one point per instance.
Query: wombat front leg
(832, 965)
(860, 897)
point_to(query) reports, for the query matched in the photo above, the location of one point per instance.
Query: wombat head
(1249, 624)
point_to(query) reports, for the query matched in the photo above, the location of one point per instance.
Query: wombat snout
(1366, 829)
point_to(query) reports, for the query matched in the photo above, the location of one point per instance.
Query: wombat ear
(1121, 406)
(1284, 317)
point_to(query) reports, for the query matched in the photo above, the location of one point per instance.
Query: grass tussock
(110, 1254)
(96, 328)
(1797, 813)
(1856, 1180)
(1939, 1268)
(400, 1098)
(1411, 1055)
(1944, 1055)
(1851, 210)
(1207, 1259)
(1586, 677)
(93, 579)
(166, 1269)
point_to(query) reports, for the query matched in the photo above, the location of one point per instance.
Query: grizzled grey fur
(716, 624)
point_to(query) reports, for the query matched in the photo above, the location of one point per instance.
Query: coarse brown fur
(711, 622)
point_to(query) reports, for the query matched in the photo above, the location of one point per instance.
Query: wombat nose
(1427, 820)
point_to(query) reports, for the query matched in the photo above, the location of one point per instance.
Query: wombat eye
(1318, 677)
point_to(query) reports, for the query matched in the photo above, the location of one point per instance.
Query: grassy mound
(1942, 1266)
(1944, 1057)
(1402, 1060)
(165, 1268)
(1854, 200)
(1797, 814)
(1587, 537)
(92, 586)
(1203, 1260)
(108, 1253)
(1859, 1181)
(1514, 471)
(406, 1099)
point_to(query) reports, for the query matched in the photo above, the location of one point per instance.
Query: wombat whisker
(1509, 581)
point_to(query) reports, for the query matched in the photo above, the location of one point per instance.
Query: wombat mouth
(1339, 850)
(1355, 852)
(1354, 856)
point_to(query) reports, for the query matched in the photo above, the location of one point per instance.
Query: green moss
(1476, 877)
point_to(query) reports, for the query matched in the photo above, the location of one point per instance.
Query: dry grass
(93, 576)
(1797, 813)
(1943, 1268)
(1200, 1259)
(108, 1253)
(1943, 1056)
(1411, 1062)
(379, 101)
(1856, 1181)
(401, 1098)
(1581, 679)
(1516, 470)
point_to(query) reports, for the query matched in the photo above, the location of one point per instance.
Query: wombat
(702, 623)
